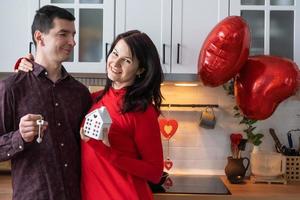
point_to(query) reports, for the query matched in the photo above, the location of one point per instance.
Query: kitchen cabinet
(95, 32)
(274, 26)
(177, 27)
(15, 19)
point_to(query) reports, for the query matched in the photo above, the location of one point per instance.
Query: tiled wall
(195, 150)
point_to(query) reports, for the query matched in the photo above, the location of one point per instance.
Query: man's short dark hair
(43, 19)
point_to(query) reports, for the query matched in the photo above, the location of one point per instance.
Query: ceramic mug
(208, 118)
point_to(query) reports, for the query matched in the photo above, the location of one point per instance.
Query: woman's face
(122, 68)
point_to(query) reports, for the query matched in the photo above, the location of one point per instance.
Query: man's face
(58, 43)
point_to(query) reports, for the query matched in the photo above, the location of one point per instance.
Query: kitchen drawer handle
(164, 53)
(178, 52)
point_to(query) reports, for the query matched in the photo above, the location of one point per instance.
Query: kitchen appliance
(193, 184)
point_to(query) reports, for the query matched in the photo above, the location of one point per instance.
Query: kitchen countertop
(246, 191)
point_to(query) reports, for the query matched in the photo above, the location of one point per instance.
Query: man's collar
(39, 69)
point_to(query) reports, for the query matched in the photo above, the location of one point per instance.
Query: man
(48, 169)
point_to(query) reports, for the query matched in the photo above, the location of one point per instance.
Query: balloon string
(168, 151)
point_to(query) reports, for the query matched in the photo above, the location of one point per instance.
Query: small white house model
(97, 123)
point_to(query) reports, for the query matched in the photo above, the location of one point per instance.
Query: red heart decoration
(168, 127)
(168, 183)
(168, 164)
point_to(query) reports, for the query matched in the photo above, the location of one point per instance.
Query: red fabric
(121, 171)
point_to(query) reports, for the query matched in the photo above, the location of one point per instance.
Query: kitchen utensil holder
(292, 168)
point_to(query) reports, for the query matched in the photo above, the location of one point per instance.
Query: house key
(40, 123)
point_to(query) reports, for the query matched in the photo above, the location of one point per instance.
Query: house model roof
(101, 113)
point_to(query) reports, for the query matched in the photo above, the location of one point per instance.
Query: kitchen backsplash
(196, 150)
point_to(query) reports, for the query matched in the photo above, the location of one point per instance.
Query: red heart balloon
(263, 83)
(224, 51)
(168, 164)
(168, 127)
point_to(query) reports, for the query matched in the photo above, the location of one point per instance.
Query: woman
(132, 97)
(121, 167)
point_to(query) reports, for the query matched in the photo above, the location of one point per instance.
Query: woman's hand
(25, 63)
(105, 137)
(84, 137)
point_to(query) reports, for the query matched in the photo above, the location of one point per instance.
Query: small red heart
(168, 183)
(168, 164)
(168, 127)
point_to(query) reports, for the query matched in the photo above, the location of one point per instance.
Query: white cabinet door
(274, 26)
(152, 17)
(177, 27)
(192, 20)
(15, 18)
(95, 32)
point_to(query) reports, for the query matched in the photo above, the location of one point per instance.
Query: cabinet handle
(164, 53)
(178, 52)
(106, 49)
(30, 47)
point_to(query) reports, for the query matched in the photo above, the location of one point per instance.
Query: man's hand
(25, 64)
(28, 127)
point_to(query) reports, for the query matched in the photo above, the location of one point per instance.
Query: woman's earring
(139, 75)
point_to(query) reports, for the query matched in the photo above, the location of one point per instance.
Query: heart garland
(168, 127)
(168, 164)
(168, 183)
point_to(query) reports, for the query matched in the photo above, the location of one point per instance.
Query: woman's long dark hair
(146, 87)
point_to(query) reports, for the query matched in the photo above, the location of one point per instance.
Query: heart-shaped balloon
(168, 164)
(263, 83)
(168, 183)
(168, 127)
(224, 51)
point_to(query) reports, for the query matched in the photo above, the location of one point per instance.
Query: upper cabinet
(95, 31)
(274, 26)
(177, 27)
(15, 19)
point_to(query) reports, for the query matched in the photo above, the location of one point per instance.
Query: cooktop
(193, 184)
